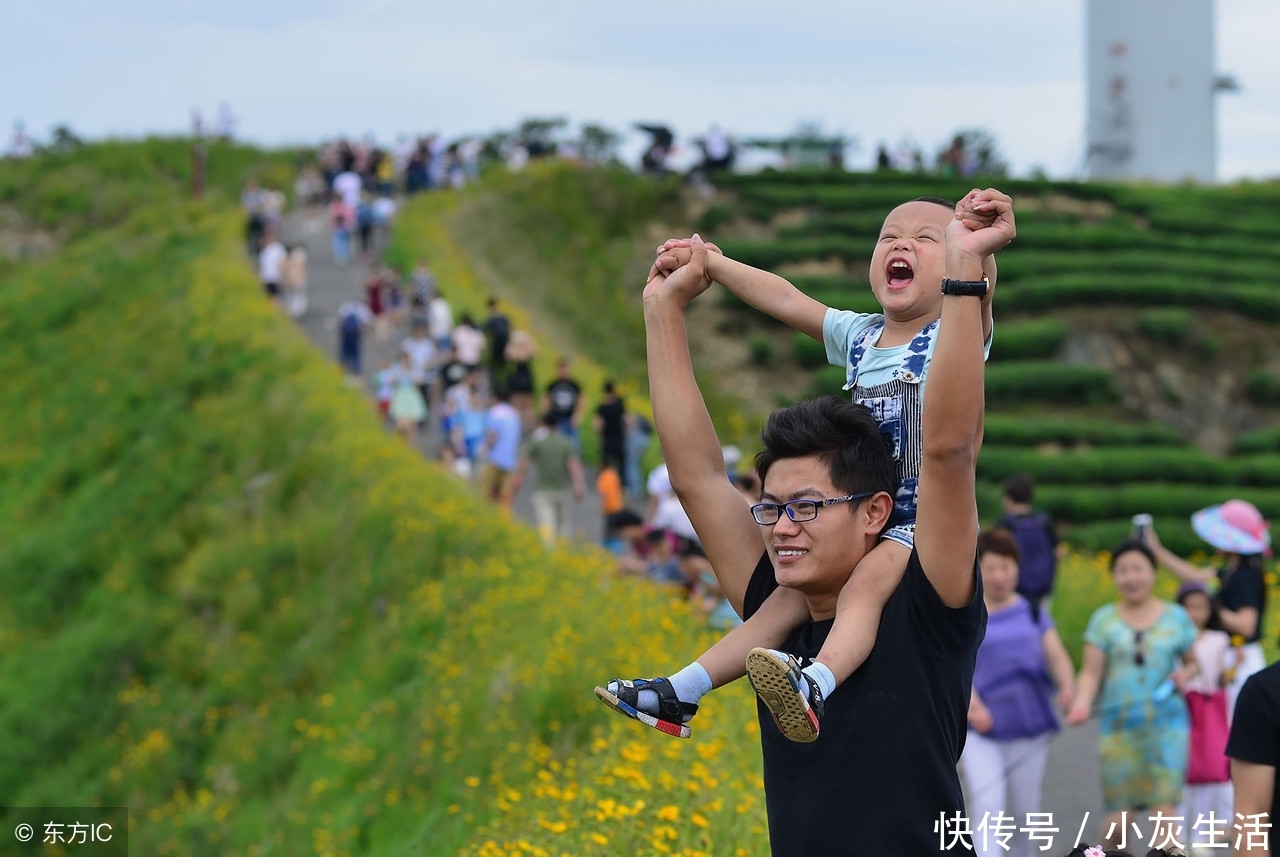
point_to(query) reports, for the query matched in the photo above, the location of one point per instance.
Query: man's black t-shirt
(612, 430)
(1255, 730)
(883, 770)
(1244, 587)
(562, 395)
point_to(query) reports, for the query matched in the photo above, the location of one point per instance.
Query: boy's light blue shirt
(840, 328)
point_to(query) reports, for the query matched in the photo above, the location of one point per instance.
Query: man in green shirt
(558, 471)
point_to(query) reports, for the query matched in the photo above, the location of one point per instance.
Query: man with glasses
(881, 776)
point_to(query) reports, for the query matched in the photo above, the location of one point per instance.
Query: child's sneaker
(794, 701)
(672, 717)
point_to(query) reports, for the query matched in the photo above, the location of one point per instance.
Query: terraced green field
(1133, 368)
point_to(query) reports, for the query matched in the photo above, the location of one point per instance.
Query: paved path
(330, 285)
(1071, 786)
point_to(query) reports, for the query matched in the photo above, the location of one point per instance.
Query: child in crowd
(385, 379)
(886, 356)
(1208, 787)
(408, 408)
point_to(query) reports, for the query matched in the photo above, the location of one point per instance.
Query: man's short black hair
(624, 518)
(937, 200)
(1020, 488)
(840, 433)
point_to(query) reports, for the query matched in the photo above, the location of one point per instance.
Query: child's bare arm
(769, 293)
(858, 608)
(780, 614)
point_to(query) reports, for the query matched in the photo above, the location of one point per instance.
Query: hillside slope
(1134, 367)
(233, 602)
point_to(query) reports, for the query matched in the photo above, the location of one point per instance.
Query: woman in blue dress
(1137, 657)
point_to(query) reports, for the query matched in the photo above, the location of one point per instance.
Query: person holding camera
(1242, 537)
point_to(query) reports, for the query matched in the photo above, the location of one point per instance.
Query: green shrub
(1003, 429)
(1263, 388)
(1168, 326)
(810, 353)
(1175, 534)
(1117, 465)
(714, 218)
(829, 381)
(761, 351)
(1049, 382)
(1035, 339)
(1119, 500)
(1260, 440)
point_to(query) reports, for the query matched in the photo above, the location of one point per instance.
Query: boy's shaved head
(937, 200)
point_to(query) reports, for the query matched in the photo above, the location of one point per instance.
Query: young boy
(886, 358)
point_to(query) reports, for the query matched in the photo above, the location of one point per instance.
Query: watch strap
(965, 288)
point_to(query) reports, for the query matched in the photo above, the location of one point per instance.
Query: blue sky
(295, 71)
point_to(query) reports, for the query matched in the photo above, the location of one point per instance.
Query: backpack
(1038, 563)
(351, 325)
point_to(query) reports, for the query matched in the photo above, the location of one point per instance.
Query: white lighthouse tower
(1151, 90)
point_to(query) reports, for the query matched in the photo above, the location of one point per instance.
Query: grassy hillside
(239, 607)
(1133, 368)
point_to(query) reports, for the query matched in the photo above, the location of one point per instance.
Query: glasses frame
(789, 508)
(1139, 648)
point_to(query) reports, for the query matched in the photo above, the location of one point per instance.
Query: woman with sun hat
(1237, 530)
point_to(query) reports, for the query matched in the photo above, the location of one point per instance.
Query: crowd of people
(1168, 682)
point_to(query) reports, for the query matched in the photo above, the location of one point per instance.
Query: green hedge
(1175, 534)
(1168, 325)
(810, 353)
(1260, 440)
(1105, 501)
(1263, 388)
(1261, 303)
(1031, 430)
(1116, 465)
(1049, 382)
(1035, 339)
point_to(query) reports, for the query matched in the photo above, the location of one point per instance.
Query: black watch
(965, 288)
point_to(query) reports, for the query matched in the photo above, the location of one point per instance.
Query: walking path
(1071, 784)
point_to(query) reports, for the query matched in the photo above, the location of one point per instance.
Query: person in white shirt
(423, 361)
(439, 320)
(271, 265)
(665, 511)
(348, 186)
(468, 342)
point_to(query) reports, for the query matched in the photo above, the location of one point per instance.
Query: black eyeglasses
(797, 510)
(1139, 649)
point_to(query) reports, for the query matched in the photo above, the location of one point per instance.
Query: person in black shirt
(610, 425)
(881, 776)
(498, 328)
(1237, 530)
(564, 400)
(1254, 748)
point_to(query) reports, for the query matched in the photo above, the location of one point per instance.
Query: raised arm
(695, 462)
(772, 295)
(1181, 569)
(952, 411)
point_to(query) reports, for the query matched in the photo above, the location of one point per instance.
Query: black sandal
(673, 715)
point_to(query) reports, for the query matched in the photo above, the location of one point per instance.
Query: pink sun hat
(1235, 526)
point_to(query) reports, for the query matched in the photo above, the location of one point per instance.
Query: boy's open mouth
(899, 274)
